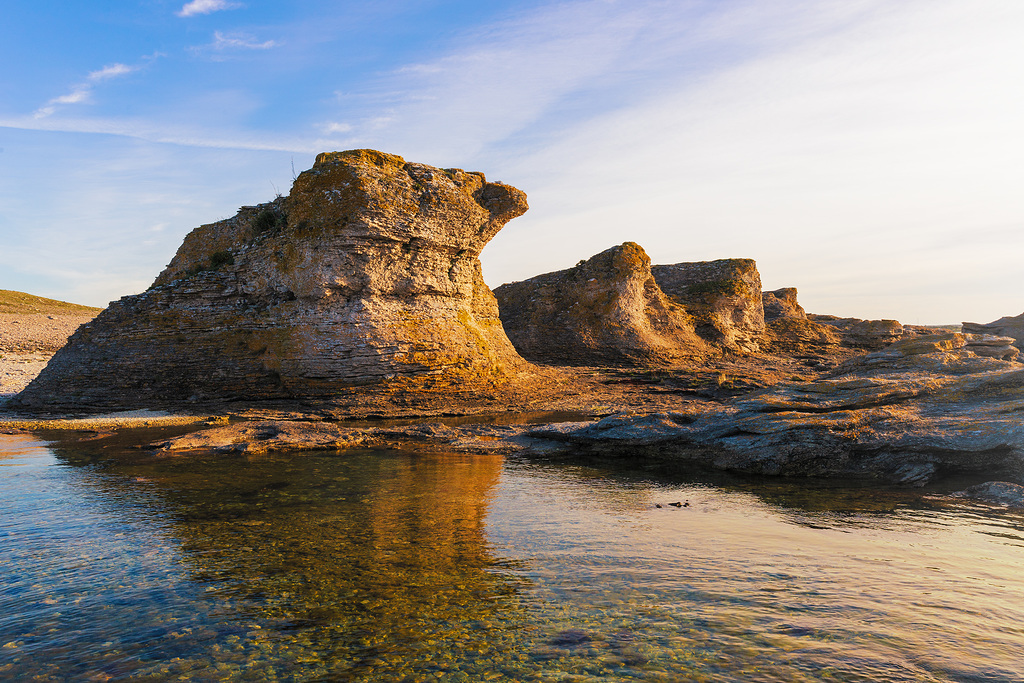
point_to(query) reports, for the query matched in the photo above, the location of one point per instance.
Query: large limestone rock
(607, 309)
(1006, 326)
(723, 297)
(366, 274)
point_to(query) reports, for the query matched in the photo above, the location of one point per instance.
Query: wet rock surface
(1003, 493)
(365, 275)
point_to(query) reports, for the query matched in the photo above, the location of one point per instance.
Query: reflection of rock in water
(362, 565)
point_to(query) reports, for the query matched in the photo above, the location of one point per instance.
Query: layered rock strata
(366, 274)
(919, 409)
(605, 310)
(922, 409)
(782, 303)
(1007, 326)
(787, 328)
(865, 334)
(723, 297)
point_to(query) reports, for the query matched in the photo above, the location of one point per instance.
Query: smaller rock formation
(605, 310)
(787, 329)
(782, 303)
(1004, 327)
(865, 334)
(723, 297)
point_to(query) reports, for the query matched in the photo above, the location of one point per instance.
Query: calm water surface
(389, 566)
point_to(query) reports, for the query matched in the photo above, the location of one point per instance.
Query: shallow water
(389, 566)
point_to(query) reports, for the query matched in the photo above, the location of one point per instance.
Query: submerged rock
(723, 297)
(366, 274)
(996, 493)
(607, 309)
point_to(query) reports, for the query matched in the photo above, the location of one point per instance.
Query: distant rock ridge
(366, 274)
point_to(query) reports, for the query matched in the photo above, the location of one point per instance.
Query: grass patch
(20, 302)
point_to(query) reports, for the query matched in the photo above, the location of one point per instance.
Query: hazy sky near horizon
(867, 152)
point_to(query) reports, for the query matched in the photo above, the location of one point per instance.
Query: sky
(868, 152)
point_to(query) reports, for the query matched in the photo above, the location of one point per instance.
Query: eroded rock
(365, 275)
(1006, 326)
(723, 297)
(607, 309)
(782, 303)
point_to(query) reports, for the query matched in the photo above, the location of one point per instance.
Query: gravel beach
(27, 341)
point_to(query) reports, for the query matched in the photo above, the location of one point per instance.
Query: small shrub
(266, 221)
(221, 258)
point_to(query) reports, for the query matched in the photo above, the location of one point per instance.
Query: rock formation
(723, 297)
(366, 274)
(865, 334)
(1006, 326)
(921, 408)
(606, 310)
(787, 328)
(782, 303)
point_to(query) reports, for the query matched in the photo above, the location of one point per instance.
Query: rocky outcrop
(921, 408)
(787, 329)
(782, 303)
(723, 297)
(865, 334)
(365, 275)
(1006, 326)
(606, 310)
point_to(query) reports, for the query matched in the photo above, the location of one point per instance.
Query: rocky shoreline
(360, 297)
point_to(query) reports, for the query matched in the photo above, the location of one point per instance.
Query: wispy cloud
(82, 92)
(239, 41)
(207, 7)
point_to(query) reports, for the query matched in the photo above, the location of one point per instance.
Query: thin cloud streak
(82, 92)
(197, 7)
(225, 41)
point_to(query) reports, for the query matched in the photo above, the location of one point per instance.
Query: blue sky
(869, 153)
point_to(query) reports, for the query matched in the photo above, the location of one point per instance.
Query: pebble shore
(27, 341)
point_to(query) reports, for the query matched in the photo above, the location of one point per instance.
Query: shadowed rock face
(607, 309)
(723, 297)
(366, 273)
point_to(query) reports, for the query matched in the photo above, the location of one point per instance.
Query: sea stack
(366, 274)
